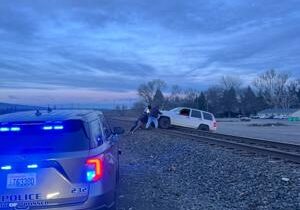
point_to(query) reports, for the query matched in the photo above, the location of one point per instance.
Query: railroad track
(280, 150)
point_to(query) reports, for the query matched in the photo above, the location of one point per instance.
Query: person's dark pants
(134, 126)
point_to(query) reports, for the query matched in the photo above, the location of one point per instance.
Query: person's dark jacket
(143, 118)
(155, 112)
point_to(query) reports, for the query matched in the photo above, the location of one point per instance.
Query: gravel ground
(163, 172)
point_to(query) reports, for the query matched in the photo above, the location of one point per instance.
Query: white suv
(188, 117)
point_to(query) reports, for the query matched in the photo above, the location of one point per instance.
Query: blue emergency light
(15, 129)
(58, 127)
(8, 129)
(55, 127)
(6, 167)
(47, 128)
(32, 166)
(4, 129)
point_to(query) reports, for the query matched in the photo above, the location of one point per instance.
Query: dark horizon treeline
(229, 98)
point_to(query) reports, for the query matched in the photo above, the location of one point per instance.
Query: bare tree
(289, 97)
(147, 90)
(176, 91)
(175, 98)
(273, 87)
(298, 93)
(214, 95)
(118, 107)
(158, 99)
(123, 109)
(190, 97)
(227, 82)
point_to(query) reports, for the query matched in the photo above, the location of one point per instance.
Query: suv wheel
(203, 127)
(164, 122)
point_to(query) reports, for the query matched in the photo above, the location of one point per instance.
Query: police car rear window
(41, 138)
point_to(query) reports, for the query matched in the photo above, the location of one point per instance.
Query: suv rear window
(32, 139)
(207, 116)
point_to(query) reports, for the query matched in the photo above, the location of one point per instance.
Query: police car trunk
(43, 164)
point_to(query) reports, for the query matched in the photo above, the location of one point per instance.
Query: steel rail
(280, 150)
(255, 148)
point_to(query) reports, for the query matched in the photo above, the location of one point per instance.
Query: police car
(188, 117)
(58, 160)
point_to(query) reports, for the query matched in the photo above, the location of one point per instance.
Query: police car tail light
(94, 170)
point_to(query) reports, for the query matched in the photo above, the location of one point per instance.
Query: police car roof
(54, 115)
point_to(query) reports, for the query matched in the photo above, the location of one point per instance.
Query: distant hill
(8, 108)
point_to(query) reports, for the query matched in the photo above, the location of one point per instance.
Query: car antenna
(49, 109)
(38, 113)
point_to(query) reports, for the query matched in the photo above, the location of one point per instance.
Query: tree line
(229, 97)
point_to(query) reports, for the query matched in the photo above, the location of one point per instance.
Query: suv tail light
(215, 124)
(94, 169)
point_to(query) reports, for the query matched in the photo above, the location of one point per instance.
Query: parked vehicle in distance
(280, 117)
(188, 117)
(269, 117)
(262, 116)
(254, 116)
(64, 159)
(266, 116)
(245, 119)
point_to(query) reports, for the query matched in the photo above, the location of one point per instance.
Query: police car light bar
(50, 127)
(58, 127)
(6, 167)
(47, 128)
(12, 129)
(32, 166)
(4, 129)
(17, 129)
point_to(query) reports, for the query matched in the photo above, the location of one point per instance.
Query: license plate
(15, 181)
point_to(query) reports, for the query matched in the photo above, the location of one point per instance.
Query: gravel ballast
(159, 171)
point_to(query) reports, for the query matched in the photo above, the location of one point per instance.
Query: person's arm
(148, 111)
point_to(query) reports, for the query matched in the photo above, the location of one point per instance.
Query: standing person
(147, 109)
(153, 117)
(142, 120)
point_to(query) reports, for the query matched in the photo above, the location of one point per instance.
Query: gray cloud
(117, 44)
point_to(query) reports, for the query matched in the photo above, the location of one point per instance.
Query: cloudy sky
(63, 51)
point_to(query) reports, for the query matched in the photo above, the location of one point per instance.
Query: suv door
(196, 119)
(208, 119)
(182, 117)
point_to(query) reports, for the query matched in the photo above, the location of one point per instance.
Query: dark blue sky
(100, 50)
